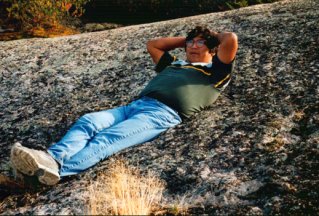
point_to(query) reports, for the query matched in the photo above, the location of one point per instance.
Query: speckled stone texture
(255, 151)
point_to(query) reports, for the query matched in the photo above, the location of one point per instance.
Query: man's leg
(147, 118)
(83, 131)
(34, 162)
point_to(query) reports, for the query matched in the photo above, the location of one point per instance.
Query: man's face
(197, 51)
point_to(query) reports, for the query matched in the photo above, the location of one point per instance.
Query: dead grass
(122, 190)
(299, 115)
(49, 31)
(179, 206)
(278, 142)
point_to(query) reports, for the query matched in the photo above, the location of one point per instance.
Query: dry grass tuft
(179, 206)
(122, 190)
(48, 31)
(299, 115)
(51, 31)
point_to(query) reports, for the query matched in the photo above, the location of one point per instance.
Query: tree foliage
(25, 15)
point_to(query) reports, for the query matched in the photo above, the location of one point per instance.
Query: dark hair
(211, 40)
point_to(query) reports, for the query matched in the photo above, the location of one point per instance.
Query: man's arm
(228, 46)
(157, 47)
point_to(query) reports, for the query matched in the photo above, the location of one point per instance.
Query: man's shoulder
(164, 61)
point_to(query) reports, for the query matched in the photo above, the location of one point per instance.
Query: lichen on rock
(255, 151)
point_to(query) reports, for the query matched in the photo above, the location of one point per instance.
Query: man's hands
(226, 50)
(157, 47)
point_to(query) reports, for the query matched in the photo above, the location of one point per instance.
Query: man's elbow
(231, 38)
(150, 45)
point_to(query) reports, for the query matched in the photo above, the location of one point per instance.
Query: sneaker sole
(24, 162)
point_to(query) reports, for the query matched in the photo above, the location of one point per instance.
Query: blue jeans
(95, 136)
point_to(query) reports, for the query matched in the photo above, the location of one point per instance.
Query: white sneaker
(34, 162)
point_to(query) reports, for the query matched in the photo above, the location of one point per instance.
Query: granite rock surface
(255, 151)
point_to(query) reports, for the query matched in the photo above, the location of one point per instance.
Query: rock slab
(255, 151)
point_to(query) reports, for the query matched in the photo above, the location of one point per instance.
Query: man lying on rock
(181, 88)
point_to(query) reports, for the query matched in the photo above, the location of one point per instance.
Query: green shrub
(28, 14)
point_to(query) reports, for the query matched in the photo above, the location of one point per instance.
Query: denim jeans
(95, 136)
